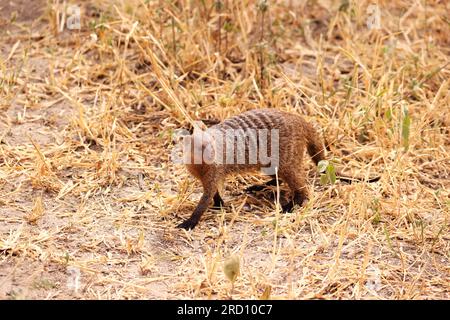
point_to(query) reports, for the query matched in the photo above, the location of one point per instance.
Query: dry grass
(88, 189)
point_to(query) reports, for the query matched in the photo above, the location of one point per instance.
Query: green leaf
(406, 122)
(388, 114)
(328, 172)
(331, 173)
(322, 166)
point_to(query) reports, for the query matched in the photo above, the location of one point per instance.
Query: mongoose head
(198, 152)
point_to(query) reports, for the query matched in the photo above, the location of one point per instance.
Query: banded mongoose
(211, 168)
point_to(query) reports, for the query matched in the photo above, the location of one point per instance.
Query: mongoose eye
(179, 135)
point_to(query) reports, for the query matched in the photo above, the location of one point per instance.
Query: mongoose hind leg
(297, 199)
(297, 184)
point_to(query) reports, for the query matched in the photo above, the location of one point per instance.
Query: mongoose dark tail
(314, 144)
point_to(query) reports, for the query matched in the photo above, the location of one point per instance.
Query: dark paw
(287, 208)
(187, 225)
(270, 183)
(219, 204)
(218, 201)
(255, 188)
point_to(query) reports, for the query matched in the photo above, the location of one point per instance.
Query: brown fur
(295, 135)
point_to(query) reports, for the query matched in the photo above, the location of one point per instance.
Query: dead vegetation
(89, 198)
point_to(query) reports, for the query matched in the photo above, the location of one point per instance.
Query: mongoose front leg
(203, 204)
(218, 201)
